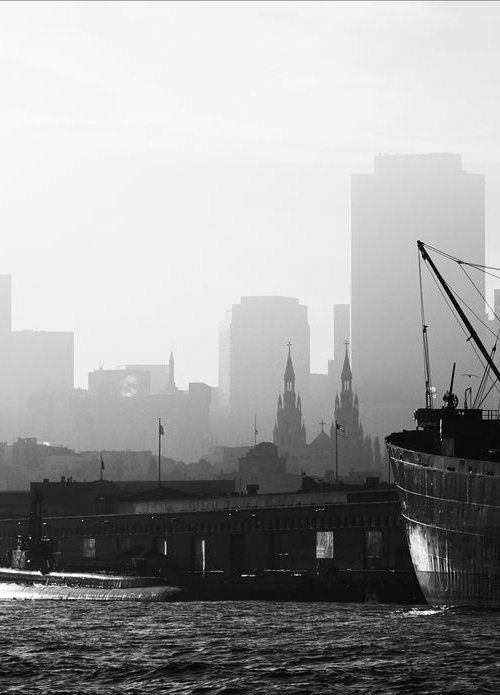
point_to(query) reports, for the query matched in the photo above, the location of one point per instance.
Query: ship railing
(491, 414)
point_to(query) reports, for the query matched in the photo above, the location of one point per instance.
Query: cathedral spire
(346, 376)
(289, 373)
(290, 433)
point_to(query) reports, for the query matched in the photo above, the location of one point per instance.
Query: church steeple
(353, 450)
(289, 379)
(346, 376)
(289, 433)
(289, 373)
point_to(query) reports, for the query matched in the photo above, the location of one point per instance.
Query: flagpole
(159, 452)
(255, 433)
(100, 466)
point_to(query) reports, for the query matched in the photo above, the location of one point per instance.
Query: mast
(427, 369)
(459, 310)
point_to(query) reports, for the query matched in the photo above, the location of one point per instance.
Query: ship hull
(25, 585)
(44, 592)
(452, 517)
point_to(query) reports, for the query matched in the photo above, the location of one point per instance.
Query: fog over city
(161, 160)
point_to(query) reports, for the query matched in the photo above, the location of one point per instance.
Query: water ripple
(245, 648)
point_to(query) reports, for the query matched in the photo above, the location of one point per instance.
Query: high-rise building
(6, 413)
(223, 395)
(5, 304)
(260, 329)
(410, 197)
(41, 361)
(341, 332)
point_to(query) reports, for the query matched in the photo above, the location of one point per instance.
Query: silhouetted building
(409, 197)
(262, 470)
(171, 386)
(224, 388)
(354, 450)
(289, 433)
(225, 458)
(341, 333)
(6, 383)
(260, 328)
(31, 362)
(42, 361)
(124, 418)
(158, 375)
(113, 383)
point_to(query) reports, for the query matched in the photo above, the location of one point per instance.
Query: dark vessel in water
(33, 574)
(447, 472)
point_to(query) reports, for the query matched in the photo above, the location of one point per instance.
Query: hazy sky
(159, 160)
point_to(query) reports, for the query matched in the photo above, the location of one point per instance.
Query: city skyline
(162, 160)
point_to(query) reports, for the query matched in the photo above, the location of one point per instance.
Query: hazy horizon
(161, 160)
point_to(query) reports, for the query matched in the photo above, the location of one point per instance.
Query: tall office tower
(410, 197)
(341, 335)
(261, 328)
(223, 392)
(5, 304)
(5, 356)
(341, 331)
(43, 361)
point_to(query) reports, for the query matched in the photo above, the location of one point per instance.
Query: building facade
(259, 331)
(406, 198)
(315, 545)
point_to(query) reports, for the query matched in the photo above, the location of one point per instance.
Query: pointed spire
(346, 376)
(289, 379)
(280, 402)
(171, 373)
(299, 402)
(289, 373)
(346, 369)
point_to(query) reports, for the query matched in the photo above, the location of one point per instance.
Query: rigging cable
(464, 303)
(453, 312)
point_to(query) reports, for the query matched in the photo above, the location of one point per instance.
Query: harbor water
(254, 647)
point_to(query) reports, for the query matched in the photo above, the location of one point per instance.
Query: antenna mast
(427, 363)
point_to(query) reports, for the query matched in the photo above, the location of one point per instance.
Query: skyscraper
(260, 329)
(6, 413)
(409, 197)
(41, 361)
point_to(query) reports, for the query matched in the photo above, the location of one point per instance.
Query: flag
(102, 463)
(162, 431)
(340, 429)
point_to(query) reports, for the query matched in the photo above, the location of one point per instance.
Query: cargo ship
(32, 573)
(447, 472)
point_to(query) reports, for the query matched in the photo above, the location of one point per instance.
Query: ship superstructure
(447, 472)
